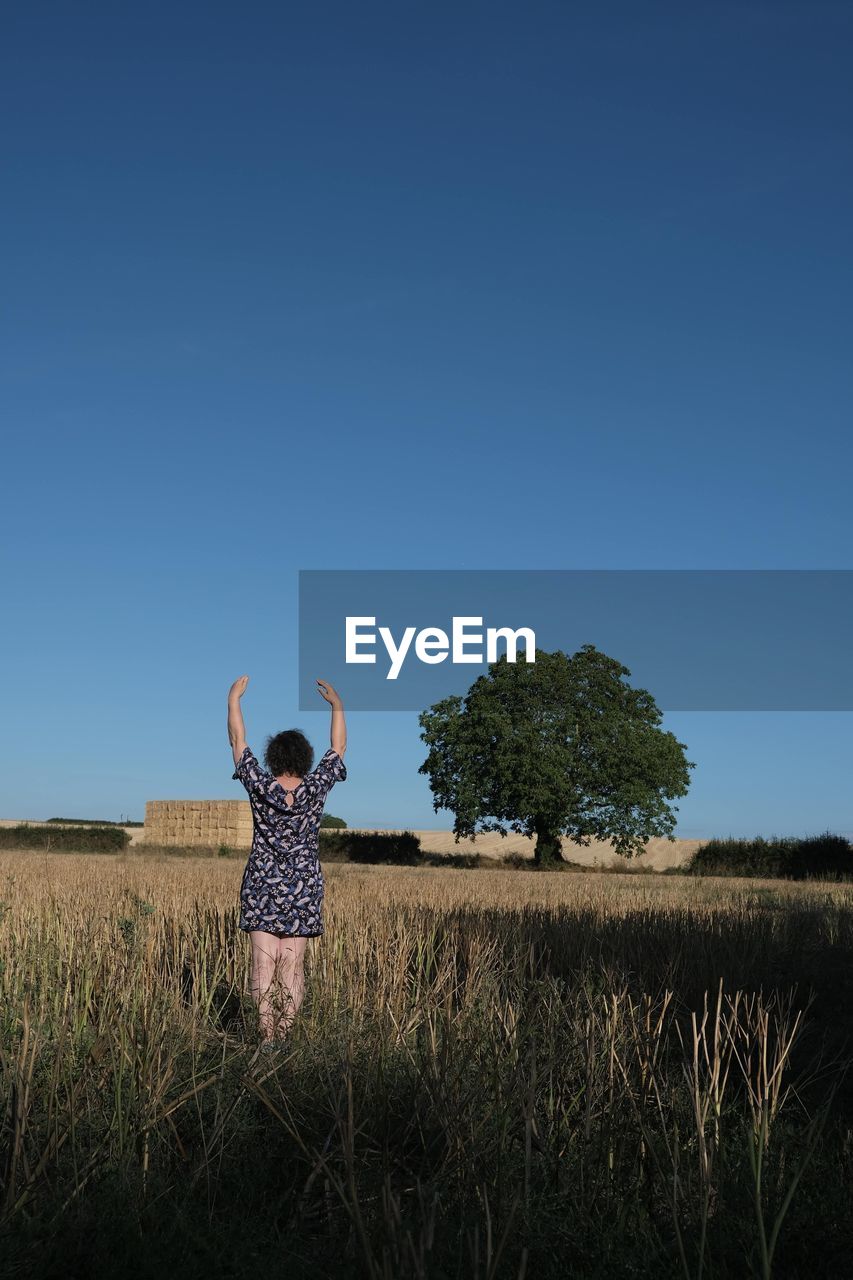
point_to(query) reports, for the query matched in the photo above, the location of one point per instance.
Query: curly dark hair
(289, 752)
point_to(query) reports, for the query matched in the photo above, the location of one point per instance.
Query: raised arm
(236, 728)
(339, 724)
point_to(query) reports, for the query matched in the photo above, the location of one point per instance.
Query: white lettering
(460, 639)
(354, 639)
(432, 644)
(425, 644)
(493, 634)
(397, 655)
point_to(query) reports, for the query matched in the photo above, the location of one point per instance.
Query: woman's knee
(291, 961)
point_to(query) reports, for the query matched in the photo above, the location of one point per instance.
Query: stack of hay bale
(199, 822)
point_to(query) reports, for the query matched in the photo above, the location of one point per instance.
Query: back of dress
(279, 822)
(282, 887)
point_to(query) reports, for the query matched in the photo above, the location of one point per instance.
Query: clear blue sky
(389, 286)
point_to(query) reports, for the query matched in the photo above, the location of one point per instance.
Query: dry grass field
(495, 1074)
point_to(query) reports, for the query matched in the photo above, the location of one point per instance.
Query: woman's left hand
(328, 692)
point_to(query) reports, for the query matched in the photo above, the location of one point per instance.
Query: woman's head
(289, 752)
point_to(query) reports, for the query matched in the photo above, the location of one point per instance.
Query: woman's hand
(238, 688)
(329, 693)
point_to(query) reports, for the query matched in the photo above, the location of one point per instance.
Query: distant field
(495, 1074)
(659, 855)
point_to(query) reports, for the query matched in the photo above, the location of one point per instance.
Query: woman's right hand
(238, 688)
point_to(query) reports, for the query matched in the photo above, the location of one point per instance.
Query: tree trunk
(549, 849)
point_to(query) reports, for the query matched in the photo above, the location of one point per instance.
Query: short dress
(282, 888)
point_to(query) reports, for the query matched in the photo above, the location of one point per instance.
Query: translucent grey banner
(697, 639)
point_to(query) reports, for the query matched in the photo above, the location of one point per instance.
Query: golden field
(495, 1073)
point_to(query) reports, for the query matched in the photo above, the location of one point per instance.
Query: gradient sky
(405, 286)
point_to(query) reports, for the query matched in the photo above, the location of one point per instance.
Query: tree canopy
(560, 746)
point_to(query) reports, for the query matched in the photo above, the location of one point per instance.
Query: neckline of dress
(290, 791)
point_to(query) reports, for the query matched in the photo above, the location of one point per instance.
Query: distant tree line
(826, 856)
(96, 822)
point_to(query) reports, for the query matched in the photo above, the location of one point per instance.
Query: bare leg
(291, 955)
(265, 953)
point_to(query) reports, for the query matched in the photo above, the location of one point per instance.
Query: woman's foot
(270, 1046)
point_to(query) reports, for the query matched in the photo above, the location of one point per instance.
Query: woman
(281, 897)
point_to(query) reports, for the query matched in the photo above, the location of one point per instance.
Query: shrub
(825, 855)
(370, 846)
(784, 857)
(329, 820)
(461, 861)
(94, 839)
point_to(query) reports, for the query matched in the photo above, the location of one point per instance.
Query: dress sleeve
(328, 770)
(251, 773)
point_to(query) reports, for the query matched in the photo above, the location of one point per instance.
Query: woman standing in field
(281, 896)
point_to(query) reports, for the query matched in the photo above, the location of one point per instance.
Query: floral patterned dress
(282, 889)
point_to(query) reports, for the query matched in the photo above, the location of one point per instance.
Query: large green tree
(560, 746)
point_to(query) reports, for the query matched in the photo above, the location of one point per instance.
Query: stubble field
(495, 1074)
